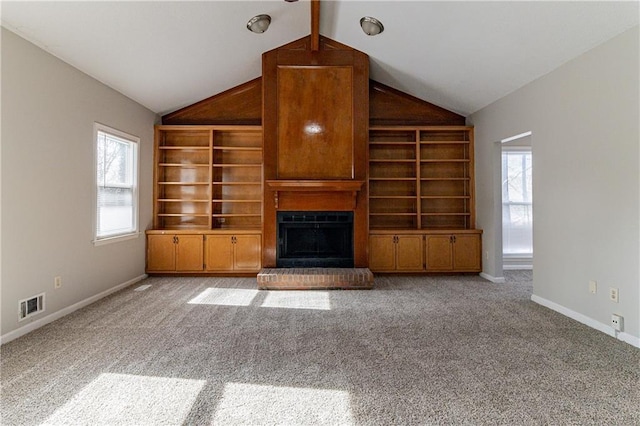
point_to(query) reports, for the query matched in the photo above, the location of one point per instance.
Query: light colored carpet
(415, 350)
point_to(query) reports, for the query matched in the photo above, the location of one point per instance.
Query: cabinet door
(248, 252)
(382, 253)
(189, 253)
(466, 253)
(439, 253)
(161, 253)
(219, 253)
(409, 253)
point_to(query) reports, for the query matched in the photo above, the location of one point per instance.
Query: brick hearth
(314, 278)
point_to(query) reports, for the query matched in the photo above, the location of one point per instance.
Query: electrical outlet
(613, 294)
(57, 282)
(593, 287)
(617, 322)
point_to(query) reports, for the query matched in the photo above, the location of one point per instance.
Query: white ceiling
(459, 55)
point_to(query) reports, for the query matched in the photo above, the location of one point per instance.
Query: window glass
(116, 183)
(517, 206)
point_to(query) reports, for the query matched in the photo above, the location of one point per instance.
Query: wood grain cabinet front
(174, 253)
(453, 252)
(233, 252)
(396, 253)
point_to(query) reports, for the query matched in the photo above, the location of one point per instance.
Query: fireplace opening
(315, 239)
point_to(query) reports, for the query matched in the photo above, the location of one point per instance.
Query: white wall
(584, 118)
(48, 111)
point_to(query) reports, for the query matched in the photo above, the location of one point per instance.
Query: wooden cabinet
(174, 253)
(233, 252)
(426, 251)
(389, 253)
(203, 251)
(458, 252)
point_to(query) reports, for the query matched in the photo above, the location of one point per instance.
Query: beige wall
(584, 118)
(48, 111)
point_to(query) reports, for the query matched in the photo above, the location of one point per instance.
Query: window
(116, 184)
(517, 214)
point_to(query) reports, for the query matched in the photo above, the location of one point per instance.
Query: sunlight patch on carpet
(225, 296)
(113, 399)
(298, 300)
(250, 404)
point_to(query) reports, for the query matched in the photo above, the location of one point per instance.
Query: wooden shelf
(186, 165)
(404, 179)
(450, 160)
(236, 183)
(183, 214)
(445, 178)
(185, 148)
(236, 165)
(435, 197)
(237, 148)
(391, 161)
(408, 197)
(227, 200)
(443, 142)
(183, 183)
(392, 143)
(393, 214)
(181, 200)
(445, 214)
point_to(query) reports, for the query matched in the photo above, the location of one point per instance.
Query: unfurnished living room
(320, 212)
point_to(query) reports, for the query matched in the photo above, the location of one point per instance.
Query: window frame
(528, 202)
(135, 196)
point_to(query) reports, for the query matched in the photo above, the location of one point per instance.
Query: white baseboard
(497, 280)
(588, 321)
(506, 267)
(65, 311)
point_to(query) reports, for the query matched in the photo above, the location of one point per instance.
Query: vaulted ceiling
(458, 55)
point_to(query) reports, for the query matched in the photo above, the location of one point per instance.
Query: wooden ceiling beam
(315, 25)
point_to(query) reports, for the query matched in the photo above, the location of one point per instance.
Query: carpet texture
(415, 350)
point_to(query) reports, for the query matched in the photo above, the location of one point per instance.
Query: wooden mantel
(315, 185)
(315, 194)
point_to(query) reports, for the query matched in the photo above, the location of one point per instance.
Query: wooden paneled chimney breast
(315, 124)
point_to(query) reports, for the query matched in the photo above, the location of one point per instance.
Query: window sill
(115, 239)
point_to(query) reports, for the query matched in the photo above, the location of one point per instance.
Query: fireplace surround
(308, 239)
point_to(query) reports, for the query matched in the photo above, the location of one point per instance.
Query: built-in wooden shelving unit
(421, 200)
(208, 177)
(421, 177)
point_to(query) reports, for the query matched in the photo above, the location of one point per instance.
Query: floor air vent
(30, 307)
